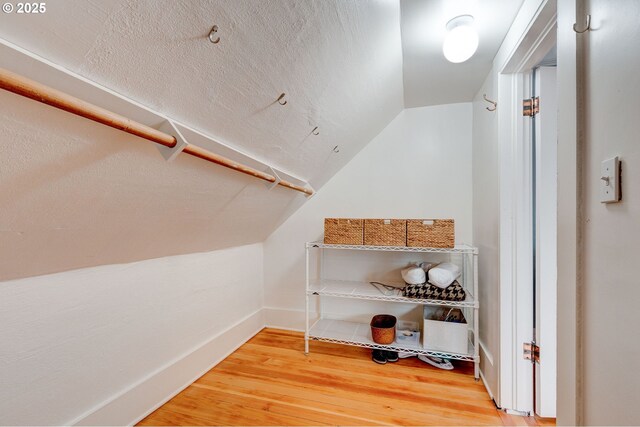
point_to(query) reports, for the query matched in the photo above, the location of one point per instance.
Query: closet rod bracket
(272, 185)
(170, 153)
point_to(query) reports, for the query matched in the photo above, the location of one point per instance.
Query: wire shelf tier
(359, 334)
(364, 290)
(458, 249)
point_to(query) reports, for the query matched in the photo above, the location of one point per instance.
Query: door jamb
(516, 302)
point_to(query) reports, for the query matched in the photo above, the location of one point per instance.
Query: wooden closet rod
(31, 89)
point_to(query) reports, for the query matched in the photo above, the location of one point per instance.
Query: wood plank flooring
(269, 381)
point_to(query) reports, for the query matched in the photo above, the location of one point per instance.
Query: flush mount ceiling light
(461, 41)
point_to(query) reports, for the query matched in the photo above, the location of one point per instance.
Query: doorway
(534, 239)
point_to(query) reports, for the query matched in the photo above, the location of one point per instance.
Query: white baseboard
(518, 413)
(487, 354)
(486, 386)
(144, 397)
(285, 318)
(487, 357)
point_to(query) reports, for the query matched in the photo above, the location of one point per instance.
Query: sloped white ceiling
(75, 193)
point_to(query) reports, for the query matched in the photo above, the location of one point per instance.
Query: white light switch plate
(610, 181)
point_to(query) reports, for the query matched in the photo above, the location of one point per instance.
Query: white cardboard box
(449, 337)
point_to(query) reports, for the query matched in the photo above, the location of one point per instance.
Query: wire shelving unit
(359, 334)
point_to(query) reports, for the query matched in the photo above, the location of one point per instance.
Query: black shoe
(378, 356)
(392, 356)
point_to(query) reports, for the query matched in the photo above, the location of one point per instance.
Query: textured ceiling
(75, 194)
(429, 79)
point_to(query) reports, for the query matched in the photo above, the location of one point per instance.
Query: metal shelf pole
(306, 296)
(321, 276)
(476, 318)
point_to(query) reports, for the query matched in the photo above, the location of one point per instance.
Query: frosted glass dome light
(461, 41)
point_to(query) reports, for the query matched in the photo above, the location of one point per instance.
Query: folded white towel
(414, 275)
(444, 274)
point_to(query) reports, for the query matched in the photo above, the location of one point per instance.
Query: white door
(545, 207)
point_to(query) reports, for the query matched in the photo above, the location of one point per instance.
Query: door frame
(546, 212)
(569, 404)
(536, 36)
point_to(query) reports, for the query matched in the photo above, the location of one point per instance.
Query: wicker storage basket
(430, 233)
(343, 231)
(383, 328)
(385, 232)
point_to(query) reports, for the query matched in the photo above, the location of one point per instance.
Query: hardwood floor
(269, 381)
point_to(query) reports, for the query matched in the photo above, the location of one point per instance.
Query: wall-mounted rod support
(31, 89)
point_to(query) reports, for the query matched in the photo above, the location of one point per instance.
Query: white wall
(486, 230)
(74, 341)
(611, 239)
(419, 166)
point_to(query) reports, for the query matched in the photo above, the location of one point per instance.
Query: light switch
(610, 181)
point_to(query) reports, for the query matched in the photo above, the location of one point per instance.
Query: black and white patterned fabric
(453, 292)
